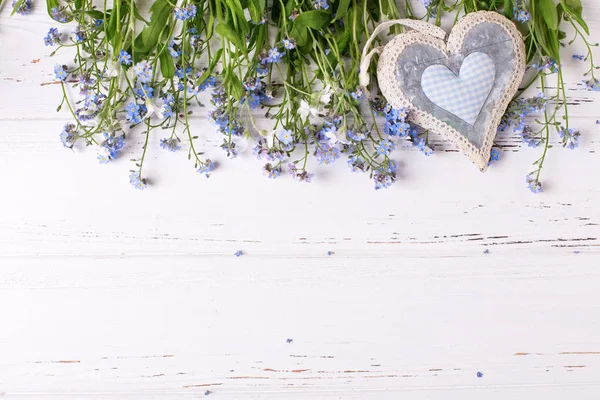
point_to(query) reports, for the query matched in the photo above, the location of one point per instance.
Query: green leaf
(573, 5)
(256, 12)
(50, 4)
(167, 68)
(300, 35)
(150, 35)
(15, 7)
(239, 19)
(138, 15)
(210, 27)
(276, 11)
(509, 9)
(213, 62)
(315, 19)
(111, 27)
(575, 9)
(97, 14)
(546, 37)
(548, 11)
(342, 9)
(228, 33)
(234, 86)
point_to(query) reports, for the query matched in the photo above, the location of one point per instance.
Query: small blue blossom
(211, 81)
(262, 70)
(579, 57)
(67, 136)
(494, 156)
(357, 164)
(274, 56)
(395, 121)
(52, 38)
(270, 171)
(137, 181)
(230, 148)
(522, 15)
(125, 58)
(59, 14)
(206, 168)
(80, 35)
(533, 184)
(289, 44)
(170, 144)
(186, 13)
(110, 147)
(479, 374)
(133, 113)
(103, 158)
(286, 136)
(24, 7)
(143, 91)
(358, 94)
(289, 340)
(60, 71)
(356, 136)
(385, 176)
(423, 146)
(592, 84)
(300, 176)
(238, 253)
(326, 154)
(174, 49)
(385, 147)
(546, 63)
(143, 70)
(569, 137)
(321, 4)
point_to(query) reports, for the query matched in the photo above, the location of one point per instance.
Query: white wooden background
(110, 292)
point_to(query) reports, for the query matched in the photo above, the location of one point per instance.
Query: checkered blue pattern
(463, 95)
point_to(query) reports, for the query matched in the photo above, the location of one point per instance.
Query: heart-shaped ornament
(459, 87)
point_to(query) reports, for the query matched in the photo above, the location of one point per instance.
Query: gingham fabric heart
(462, 95)
(459, 84)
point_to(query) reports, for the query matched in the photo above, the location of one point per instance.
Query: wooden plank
(163, 325)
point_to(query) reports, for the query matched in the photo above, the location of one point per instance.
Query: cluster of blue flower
(143, 70)
(68, 135)
(125, 58)
(24, 8)
(385, 175)
(52, 38)
(569, 137)
(326, 124)
(186, 13)
(320, 4)
(59, 14)
(61, 72)
(254, 92)
(516, 117)
(170, 144)
(110, 147)
(136, 180)
(135, 112)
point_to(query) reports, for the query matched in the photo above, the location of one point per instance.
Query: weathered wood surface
(114, 293)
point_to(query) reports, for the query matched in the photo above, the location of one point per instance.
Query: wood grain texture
(106, 292)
